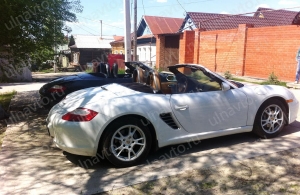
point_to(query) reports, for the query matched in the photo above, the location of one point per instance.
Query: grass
(88, 70)
(5, 99)
(259, 83)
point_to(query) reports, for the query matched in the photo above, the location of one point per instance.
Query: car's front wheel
(127, 142)
(270, 119)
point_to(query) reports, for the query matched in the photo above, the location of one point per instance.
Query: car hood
(95, 94)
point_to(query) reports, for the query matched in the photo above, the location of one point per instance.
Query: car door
(210, 111)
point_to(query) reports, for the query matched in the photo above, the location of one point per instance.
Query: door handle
(181, 107)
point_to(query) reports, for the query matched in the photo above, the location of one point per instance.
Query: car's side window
(202, 81)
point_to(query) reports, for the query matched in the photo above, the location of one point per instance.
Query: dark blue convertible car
(54, 91)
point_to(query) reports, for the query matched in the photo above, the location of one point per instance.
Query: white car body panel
(238, 106)
(201, 109)
(257, 94)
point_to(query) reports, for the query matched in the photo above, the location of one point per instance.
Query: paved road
(39, 81)
(30, 164)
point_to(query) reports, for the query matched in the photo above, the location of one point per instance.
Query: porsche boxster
(54, 91)
(125, 121)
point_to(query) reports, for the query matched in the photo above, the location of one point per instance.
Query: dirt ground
(2, 131)
(278, 173)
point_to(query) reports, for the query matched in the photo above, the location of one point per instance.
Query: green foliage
(238, 79)
(5, 99)
(273, 79)
(72, 41)
(31, 28)
(228, 75)
(88, 70)
(121, 71)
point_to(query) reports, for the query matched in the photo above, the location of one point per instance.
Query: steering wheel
(182, 85)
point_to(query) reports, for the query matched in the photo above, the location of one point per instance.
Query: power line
(175, 4)
(84, 29)
(181, 6)
(143, 7)
(102, 22)
(112, 26)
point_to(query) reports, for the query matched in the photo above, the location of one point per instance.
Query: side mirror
(225, 86)
(171, 78)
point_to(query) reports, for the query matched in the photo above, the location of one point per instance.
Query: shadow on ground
(30, 163)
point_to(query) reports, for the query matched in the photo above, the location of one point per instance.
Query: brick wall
(167, 51)
(248, 51)
(186, 47)
(272, 49)
(218, 50)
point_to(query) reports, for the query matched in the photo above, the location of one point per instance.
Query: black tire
(118, 150)
(267, 123)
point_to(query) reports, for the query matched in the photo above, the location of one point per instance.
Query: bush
(273, 79)
(227, 75)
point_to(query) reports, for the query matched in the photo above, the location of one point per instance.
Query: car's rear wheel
(270, 119)
(127, 142)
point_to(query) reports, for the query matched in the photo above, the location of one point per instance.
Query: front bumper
(293, 108)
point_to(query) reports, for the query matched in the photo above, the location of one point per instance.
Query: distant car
(124, 121)
(54, 91)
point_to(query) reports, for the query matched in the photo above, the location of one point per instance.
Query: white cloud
(224, 12)
(263, 5)
(287, 2)
(162, 1)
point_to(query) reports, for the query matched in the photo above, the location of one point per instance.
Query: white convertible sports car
(126, 120)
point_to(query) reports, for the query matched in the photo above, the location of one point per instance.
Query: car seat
(135, 76)
(114, 70)
(107, 68)
(154, 80)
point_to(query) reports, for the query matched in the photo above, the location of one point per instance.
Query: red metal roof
(145, 36)
(162, 25)
(118, 38)
(210, 21)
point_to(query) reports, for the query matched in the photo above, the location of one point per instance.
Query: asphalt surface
(39, 79)
(31, 164)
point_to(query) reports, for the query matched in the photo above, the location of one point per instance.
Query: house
(117, 46)
(147, 32)
(261, 18)
(256, 46)
(90, 48)
(208, 22)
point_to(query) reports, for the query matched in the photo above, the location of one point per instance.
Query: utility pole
(135, 35)
(55, 49)
(100, 29)
(127, 39)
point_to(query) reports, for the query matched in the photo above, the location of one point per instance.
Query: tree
(72, 41)
(31, 26)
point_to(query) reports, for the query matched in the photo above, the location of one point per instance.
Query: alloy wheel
(272, 119)
(128, 143)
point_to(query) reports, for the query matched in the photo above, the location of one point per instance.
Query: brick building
(245, 45)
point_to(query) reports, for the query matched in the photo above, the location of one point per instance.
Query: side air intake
(168, 119)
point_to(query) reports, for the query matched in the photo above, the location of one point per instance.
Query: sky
(111, 12)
